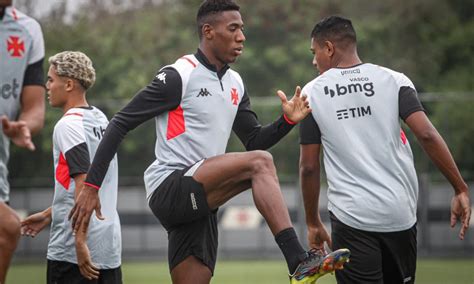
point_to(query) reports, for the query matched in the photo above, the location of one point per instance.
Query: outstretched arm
(35, 223)
(161, 95)
(436, 148)
(254, 136)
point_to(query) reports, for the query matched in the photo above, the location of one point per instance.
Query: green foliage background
(431, 41)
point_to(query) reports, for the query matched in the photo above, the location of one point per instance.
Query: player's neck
(76, 102)
(345, 61)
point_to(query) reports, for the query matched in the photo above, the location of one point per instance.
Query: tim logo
(367, 89)
(98, 132)
(353, 112)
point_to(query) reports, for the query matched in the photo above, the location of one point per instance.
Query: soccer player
(21, 107)
(373, 188)
(75, 139)
(196, 103)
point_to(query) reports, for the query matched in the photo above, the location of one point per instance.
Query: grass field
(246, 272)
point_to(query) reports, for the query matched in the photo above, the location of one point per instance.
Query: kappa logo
(204, 93)
(15, 46)
(367, 89)
(162, 77)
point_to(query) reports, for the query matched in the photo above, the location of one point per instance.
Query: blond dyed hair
(74, 65)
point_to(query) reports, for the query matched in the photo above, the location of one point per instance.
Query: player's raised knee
(261, 160)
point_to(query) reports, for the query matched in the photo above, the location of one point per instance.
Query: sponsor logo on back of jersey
(353, 112)
(341, 90)
(350, 71)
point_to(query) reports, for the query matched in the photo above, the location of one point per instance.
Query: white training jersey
(195, 108)
(372, 183)
(21, 44)
(75, 139)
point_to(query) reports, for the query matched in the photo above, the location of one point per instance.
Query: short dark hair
(335, 29)
(210, 8)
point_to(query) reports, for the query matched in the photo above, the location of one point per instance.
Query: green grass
(243, 272)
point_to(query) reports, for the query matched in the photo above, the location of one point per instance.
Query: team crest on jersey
(234, 96)
(15, 46)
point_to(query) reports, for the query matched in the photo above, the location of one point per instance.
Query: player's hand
(461, 210)
(33, 224)
(297, 108)
(18, 132)
(86, 267)
(317, 235)
(86, 202)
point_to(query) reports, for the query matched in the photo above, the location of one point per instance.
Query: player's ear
(329, 47)
(70, 84)
(207, 31)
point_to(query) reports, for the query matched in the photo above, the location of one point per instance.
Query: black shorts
(383, 258)
(180, 205)
(61, 272)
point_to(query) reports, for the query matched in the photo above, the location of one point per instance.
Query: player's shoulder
(234, 74)
(398, 77)
(70, 119)
(184, 63)
(25, 21)
(321, 80)
(180, 69)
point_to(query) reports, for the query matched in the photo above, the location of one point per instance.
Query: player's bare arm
(436, 148)
(310, 186)
(31, 119)
(33, 107)
(35, 223)
(86, 202)
(84, 261)
(297, 108)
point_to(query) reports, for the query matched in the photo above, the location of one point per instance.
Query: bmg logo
(367, 89)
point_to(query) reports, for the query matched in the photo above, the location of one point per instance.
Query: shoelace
(313, 254)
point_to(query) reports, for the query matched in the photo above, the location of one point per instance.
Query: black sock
(291, 248)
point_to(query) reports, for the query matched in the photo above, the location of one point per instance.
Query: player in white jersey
(196, 103)
(75, 139)
(372, 184)
(21, 107)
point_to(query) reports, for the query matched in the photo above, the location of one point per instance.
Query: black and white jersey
(367, 157)
(195, 109)
(21, 56)
(75, 139)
